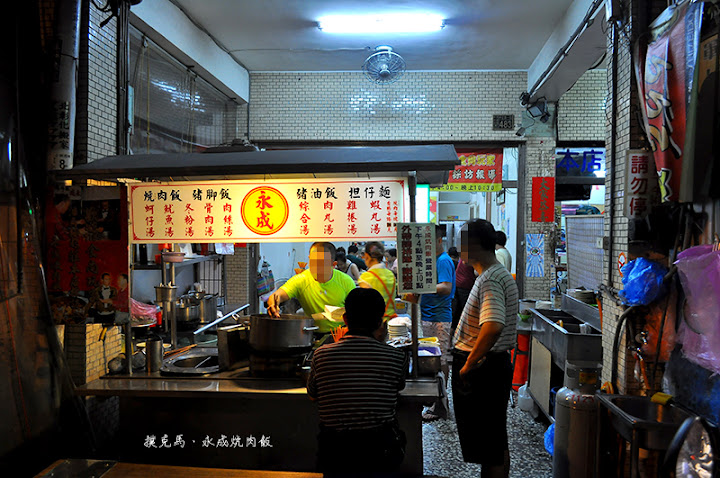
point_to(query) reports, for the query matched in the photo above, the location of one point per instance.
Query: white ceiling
(282, 35)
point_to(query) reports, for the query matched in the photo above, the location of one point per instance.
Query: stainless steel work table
(226, 405)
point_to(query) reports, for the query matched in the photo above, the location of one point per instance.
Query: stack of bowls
(397, 327)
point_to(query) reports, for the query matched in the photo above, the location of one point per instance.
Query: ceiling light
(388, 23)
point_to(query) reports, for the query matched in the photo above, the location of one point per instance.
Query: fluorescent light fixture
(386, 23)
(422, 203)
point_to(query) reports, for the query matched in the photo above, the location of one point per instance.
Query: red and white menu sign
(416, 258)
(266, 211)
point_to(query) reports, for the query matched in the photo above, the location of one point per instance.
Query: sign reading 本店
(639, 179)
(477, 172)
(416, 258)
(259, 211)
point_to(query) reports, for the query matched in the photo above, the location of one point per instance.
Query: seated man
(320, 285)
(356, 383)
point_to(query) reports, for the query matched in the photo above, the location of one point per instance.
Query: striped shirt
(356, 382)
(493, 298)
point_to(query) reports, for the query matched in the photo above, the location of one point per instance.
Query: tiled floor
(528, 458)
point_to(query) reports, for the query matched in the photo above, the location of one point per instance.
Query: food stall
(231, 417)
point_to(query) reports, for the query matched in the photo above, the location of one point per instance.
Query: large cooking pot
(208, 308)
(287, 334)
(185, 311)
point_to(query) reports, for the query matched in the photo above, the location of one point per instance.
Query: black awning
(431, 162)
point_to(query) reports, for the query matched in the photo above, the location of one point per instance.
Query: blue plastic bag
(642, 281)
(550, 439)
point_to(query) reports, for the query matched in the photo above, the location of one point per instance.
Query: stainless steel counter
(226, 384)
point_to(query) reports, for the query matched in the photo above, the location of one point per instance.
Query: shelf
(186, 262)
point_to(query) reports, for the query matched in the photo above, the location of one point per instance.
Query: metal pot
(208, 309)
(287, 334)
(185, 311)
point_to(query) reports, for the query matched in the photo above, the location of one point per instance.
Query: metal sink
(650, 425)
(194, 362)
(566, 342)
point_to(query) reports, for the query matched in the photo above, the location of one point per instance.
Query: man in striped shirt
(482, 371)
(356, 383)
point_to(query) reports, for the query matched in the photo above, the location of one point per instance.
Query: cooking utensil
(285, 334)
(185, 311)
(208, 309)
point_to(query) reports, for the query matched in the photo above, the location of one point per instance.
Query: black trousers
(480, 401)
(375, 451)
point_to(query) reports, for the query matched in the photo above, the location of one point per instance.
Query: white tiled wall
(540, 161)
(345, 106)
(97, 98)
(581, 110)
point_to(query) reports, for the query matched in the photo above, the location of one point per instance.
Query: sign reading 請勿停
(639, 181)
(543, 199)
(416, 258)
(477, 172)
(259, 211)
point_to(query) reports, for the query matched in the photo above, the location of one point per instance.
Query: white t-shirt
(503, 255)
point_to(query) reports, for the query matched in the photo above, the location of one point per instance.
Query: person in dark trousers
(482, 371)
(465, 277)
(352, 256)
(356, 382)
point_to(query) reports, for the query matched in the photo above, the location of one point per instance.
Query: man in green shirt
(320, 285)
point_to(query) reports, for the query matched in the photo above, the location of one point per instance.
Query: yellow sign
(469, 187)
(264, 210)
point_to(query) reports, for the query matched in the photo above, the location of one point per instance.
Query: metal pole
(63, 91)
(412, 189)
(128, 347)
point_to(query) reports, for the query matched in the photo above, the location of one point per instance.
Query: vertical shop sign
(251, 211)
(638, 186)
(481, 171)
(543, 199)
(416, 258)
(664, 69)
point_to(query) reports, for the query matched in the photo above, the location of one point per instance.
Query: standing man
(482, 371)
(503, 255)
(319, 285)
(356, 382)
(436, 314)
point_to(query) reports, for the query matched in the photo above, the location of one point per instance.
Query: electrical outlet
(599, 242)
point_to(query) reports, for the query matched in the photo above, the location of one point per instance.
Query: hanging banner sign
(416, 258)
(258, 211)
(639, 173)
(543, 199)
(476, 172)
(665, 68)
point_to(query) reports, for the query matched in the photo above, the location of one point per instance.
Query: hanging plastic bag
(265, 279)
(699, 271)
(642, 281)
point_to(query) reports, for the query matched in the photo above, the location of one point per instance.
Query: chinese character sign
(639, 172)
(665, 71)
(252, 211)
(416, 258)
(543, 199)
(580, 162)
(477, 172)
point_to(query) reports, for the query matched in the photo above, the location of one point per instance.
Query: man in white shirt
(502, 254)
